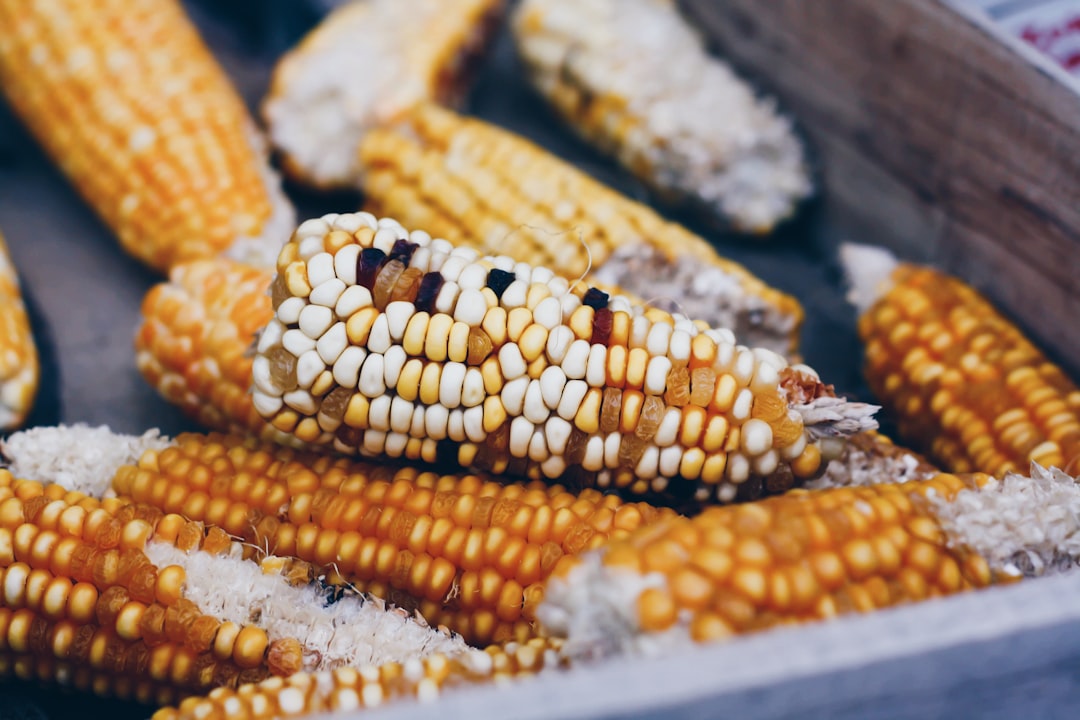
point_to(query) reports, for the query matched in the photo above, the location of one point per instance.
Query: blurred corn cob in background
(480, 186)
(810, 555)
(389, 343)
(963, 382)
(368, 62)
(635, 79)
(129, 102)
(18, 353)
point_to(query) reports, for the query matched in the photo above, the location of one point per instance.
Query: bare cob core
(389, 343)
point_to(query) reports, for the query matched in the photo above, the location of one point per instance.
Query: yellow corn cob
(364, 65)
(477, 185)
(368, 687)
(467, 552)
(129, 102)
(18, 353)
(809, 555)
(388, 343)
(634, 78)
(194, 342)
(963, 382)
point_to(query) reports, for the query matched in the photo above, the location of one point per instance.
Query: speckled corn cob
(364, 65)
(634, 78)
(129, 102)
(478, 185)
(810, 555)
(350, 689)
(389, 343)
(469, 553)
(18, 352)
(963, 382)
(194, 342)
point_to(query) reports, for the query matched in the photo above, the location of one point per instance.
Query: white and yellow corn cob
(364, 65)
(634, 78)
(484, 187)
(129, 102)
(18, 353)
(390, 343)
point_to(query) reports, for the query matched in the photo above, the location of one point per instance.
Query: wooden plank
(937, 135)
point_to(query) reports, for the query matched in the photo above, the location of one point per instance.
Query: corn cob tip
(868, 273)
(869, 458)
(811, 555)
(19, 366)
(635, 78)
(363, 66)
(391, 343)
(77, 457)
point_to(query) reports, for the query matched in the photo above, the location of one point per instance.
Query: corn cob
(364, 65)
(466, 552)
(193, 344)
(634, 78)
(18, 353)
(150, 600)
(810, 555)
(169, 156)
(368, 687)
(477, 185)
(964, 383)
(387, 343)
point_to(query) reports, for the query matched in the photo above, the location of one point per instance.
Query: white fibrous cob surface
(635, 78)
(367, 63)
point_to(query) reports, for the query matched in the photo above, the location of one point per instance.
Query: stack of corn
(963, 382)
(18, 352)
(364, 65)
(635, 79)
(390, 343)
(129, 102)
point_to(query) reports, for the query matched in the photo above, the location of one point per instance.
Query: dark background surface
(84, 292)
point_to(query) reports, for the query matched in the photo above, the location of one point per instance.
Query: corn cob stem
(169, 157)
(18, 353)
(387, 343)
(810, 555)
(364, 65)
(963, 382)
(480, 186)
(634, 78)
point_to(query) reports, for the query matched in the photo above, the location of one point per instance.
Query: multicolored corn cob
(364, 65)
(193, 345)
(349, 689)
(18, 352)
(963, 382)
(480, 186)
(810, 555)
(634, 78)
(390, 344)
(129, 102)
(467, 552)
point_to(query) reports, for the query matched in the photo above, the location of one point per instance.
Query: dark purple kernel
(602, 321)
(403, 251)
(498, 280)
(430, 285)
(596, 299)
(368, 266)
